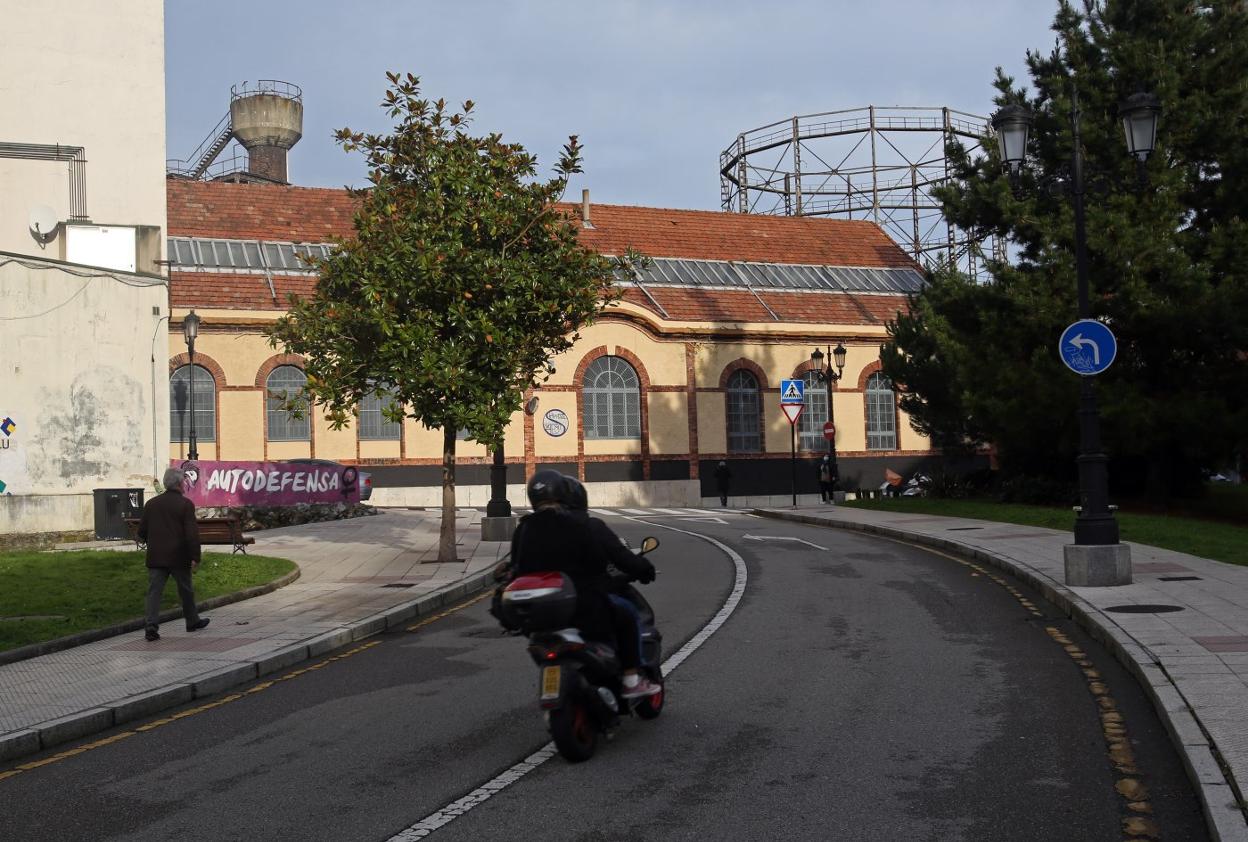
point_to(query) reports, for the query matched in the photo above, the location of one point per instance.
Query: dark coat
(553, 540)
(168, 527)
(819, 471)
(722, 476)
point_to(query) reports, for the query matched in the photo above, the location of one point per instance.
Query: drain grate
(400, 585)
(1144, 609)
(1179, 578)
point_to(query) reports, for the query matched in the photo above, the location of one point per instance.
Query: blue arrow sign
(792, 391)
(1087, 347)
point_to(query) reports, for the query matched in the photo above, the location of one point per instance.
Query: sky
(654, 90)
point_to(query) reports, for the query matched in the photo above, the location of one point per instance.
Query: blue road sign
(1087, 347)
(792, 391)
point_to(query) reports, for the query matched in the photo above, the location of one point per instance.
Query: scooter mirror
(649, 544)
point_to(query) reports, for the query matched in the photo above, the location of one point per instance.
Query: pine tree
(1169, 260)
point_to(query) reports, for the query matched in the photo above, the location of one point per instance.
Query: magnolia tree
(461, 280)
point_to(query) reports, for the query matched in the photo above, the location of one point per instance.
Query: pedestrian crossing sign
(792, 391)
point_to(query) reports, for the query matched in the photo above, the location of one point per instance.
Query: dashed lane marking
(492, 787)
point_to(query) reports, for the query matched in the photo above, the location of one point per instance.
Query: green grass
(1194, 531)
(79, 591)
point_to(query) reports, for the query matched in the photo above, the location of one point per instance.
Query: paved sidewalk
(1193, 662)
(358, 577)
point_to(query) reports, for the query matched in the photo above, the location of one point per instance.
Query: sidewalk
(1193, 662)
(358, 577)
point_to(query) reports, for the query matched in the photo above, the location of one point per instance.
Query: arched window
(374, 426)
(814, 415)
(286, 382)
(743, 425)
(612, 400)
(180, 404)
(881, 414)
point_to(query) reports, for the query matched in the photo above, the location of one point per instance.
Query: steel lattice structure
(876, 163)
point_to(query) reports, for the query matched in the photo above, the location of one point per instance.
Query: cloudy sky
(655, 90)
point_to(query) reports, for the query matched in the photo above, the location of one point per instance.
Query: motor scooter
(581, 680)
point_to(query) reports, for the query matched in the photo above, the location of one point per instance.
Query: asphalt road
(866, 691)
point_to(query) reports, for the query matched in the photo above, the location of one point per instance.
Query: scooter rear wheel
(649, 707)
(573, 732)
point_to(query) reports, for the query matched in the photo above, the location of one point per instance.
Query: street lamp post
(1095, 525)
(827, 375)
(190, 330)
(498, 524)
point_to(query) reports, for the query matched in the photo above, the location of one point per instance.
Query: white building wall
(76, 344)
(91, 74)
(88, 407)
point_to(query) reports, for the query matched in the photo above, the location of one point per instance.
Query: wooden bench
(212, 530)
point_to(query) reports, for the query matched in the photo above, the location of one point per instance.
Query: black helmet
(575, 497)
(546, 487)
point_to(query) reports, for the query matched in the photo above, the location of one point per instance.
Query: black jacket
(722, 476)
(553, 540)
(169, 529)
(614, 551)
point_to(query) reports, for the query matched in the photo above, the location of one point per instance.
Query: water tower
(266, 119)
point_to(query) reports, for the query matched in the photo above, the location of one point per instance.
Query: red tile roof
(313, 214)
(303, 214)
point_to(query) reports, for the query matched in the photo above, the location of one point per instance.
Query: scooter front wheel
(573, 731)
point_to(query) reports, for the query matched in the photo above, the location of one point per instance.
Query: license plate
(550, 682)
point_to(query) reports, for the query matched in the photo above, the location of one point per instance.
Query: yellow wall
(669, 422)
(776, 352)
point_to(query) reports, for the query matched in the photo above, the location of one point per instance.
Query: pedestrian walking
(827, 479)
(172, 537)
(723, 476)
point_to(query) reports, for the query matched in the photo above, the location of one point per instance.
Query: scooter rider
(552, 539)
(576, 501)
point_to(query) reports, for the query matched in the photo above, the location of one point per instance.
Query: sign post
(792, 401)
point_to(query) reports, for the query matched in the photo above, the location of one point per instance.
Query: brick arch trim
(266, 368)
(643, 379)
(207, 362)
(751, 366)
(804, 368)
(866, 373)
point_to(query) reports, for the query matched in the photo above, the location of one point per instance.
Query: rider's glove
(647, 574)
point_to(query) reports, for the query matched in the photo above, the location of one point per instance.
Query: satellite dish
(43, 224)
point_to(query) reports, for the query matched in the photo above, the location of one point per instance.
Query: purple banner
(210, 483)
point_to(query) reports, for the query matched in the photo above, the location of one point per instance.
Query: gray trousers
(156, 577)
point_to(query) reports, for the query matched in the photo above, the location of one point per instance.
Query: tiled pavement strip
(340, 596)
(1193, 663)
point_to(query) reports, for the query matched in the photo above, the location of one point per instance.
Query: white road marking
(606, 512)
(781, 538)
(704, 520)
(487, 790)
(668, 511)
(635, 511)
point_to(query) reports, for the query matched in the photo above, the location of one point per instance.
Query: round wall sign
(555, 422)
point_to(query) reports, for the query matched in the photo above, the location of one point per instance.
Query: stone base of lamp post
(1097, 565)
(498, 528)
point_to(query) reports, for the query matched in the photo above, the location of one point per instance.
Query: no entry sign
(829, 430)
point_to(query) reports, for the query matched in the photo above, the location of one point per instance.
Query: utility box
(112, 507)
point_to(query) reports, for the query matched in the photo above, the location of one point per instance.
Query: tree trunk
(446, 538)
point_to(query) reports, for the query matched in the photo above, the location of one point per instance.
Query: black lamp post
(827, 375)
(1095, 524)
(190, 330)
(499, 505)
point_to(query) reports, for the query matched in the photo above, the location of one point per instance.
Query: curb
(1220, 796)
(87, 722)
(59, 644)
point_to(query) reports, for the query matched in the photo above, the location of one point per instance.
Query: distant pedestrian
(827, 479)
(172, 537)
(723, 476)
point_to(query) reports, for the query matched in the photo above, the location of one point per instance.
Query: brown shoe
(202, 623)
